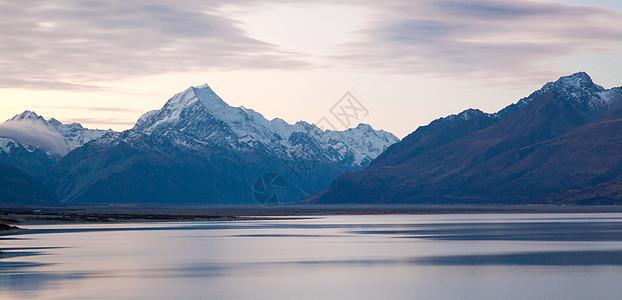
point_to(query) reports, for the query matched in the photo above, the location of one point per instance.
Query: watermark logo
(324, 124)
(270, 189)
(348, 110)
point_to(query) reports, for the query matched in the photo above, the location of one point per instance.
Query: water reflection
(553, 258)
(363, 257)
(532, 231)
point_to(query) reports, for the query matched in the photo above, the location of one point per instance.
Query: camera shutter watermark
(270, 189)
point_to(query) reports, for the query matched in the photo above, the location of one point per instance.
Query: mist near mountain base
(29, 133)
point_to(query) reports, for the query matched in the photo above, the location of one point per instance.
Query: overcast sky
(104, 63)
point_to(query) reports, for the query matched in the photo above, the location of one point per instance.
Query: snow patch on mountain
(53, 137)
(34, 132)
(360, 144)
(75, 135)
(578, 87)
(469, 114)
(7, 144)
(198, 117)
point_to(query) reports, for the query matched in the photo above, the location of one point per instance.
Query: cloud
(94, 108)
(98, 121)
(77, 45)
(29, 132)
(71, 45)
(514, 40)
(494, 9)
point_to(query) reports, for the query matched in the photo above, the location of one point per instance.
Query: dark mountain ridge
(19, 188)
(513, 156)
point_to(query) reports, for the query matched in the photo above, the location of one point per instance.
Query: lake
(453, 256)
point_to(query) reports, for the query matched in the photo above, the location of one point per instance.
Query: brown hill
(562, 144)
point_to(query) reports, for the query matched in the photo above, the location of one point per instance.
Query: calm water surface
(496, 256)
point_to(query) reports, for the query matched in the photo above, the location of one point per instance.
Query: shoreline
(123, 214)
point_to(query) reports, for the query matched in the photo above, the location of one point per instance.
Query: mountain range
(33, 144)
(560, 145)
(195, 150)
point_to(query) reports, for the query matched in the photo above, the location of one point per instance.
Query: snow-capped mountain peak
(466, 115)
(210, 100)
(28, 128)
(578, 87)
(579, 80)
(27, 115)
(198, 117)
(51, 136)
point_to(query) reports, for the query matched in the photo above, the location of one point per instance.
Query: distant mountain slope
(19, 188)
(26, 158)
(30, 143)
(197, 149)
(583, 166)
(518, 155)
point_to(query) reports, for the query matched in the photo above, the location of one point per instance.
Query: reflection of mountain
(197, 149)
(562, 144)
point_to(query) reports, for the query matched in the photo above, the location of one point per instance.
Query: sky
(105, 63)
